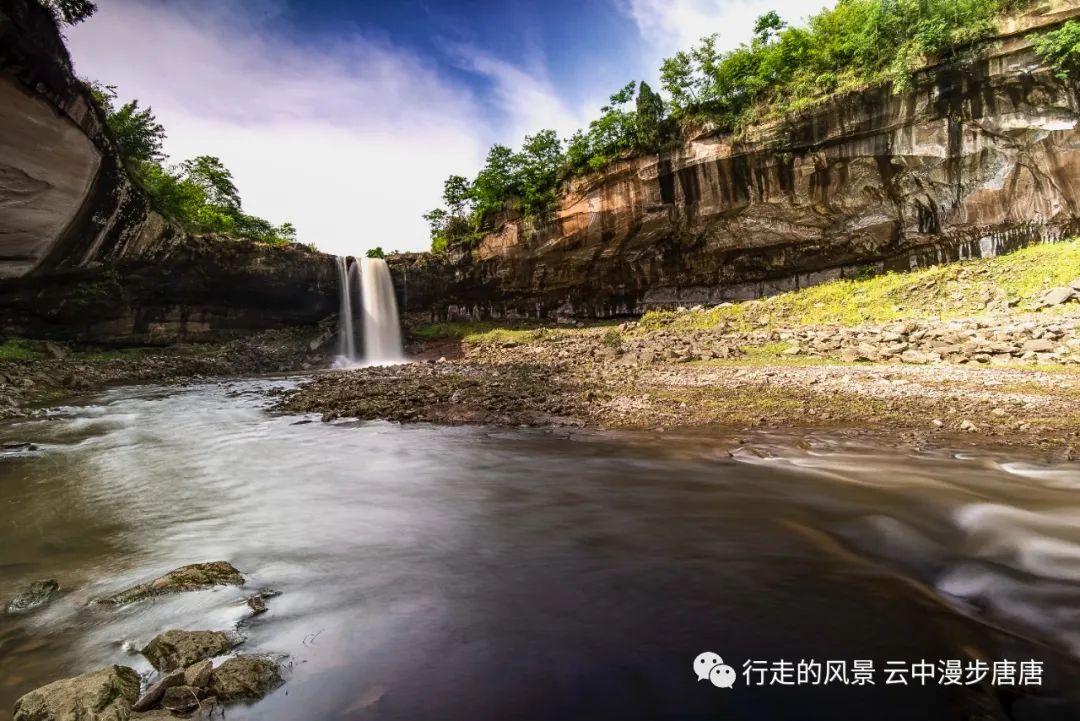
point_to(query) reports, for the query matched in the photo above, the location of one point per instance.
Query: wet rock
(182, 699)
(177, 649)
(257, 605)
(36, 594)
(195, 577)
(105, 695)
(151, 698)
(245, 678)
(198, 674)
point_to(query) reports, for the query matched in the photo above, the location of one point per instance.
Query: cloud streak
(671, 25)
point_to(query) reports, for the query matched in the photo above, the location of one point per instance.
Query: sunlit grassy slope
(944, 291)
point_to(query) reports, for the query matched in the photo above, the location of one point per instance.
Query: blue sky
(345, 117)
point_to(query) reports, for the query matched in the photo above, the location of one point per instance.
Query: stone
(968, 426)
(105, 695)
(245, 678)
(151, 698)
(849, 355)
(195, 577)
(1075, 285)
(36, 594)
(1040, 345)
(257, 605)
(177, 649)
(197, 675)
(1057, 296)
(916, 357)
(937, 423)
(181, 699)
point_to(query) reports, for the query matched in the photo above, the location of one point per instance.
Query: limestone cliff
(82, 252)
(982, 155)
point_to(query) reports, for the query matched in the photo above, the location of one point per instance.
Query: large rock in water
(177, 649)
(245, 678)
(105, 695)
(196, 577)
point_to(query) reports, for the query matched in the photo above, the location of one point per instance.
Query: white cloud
(526, 96)
(349, 141)
(671, 25)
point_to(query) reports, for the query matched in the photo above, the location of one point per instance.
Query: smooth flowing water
(366, 287)
(474, 573)
(382, 330)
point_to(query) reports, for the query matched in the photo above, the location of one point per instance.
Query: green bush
(1061, 49)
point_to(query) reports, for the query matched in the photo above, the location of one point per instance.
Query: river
(479, 573)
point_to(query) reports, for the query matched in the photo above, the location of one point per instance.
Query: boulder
(151, 698)
(245, 678)
(1057, 296)
(1040, 345)
(182, 699)
(105, 695)
(36, 594)
(196, 577)
(197, 675)
(916, 357)
(178, 649)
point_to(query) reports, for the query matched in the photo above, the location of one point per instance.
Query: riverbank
(983, 352)
(37, 373)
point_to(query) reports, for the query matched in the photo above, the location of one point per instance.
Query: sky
(344, 118)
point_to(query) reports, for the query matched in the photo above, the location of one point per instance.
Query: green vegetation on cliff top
(199, 194)
(783, 69)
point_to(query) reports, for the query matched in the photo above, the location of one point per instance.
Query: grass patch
(17, 349)
(944, 291)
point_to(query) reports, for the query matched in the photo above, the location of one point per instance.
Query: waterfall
(382, 333)
(346, 354)
(366, 286)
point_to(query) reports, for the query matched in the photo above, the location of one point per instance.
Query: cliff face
(980, 157)
(82, 252)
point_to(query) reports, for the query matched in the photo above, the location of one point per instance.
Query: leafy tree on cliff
(494, 184)
(1061, 49)
(70, 12)
(650, 118)
(376, 252)
(536, 171)
(137, 133)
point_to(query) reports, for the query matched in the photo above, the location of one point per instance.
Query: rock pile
(187, 679)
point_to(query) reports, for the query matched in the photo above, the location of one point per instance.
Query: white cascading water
(368, 278)
(382, 332)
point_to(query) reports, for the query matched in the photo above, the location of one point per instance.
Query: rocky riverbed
(43, 372)
(985, 380)
(185, 679)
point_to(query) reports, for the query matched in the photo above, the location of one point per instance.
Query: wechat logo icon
(710, 666)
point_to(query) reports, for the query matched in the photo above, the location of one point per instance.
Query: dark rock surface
(36, 594)
(105, 695)
(245, 678)
(176, 649)
(194, 577)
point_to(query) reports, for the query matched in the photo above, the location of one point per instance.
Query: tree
(70, 12)
(456, 190)
(767, 27)
(536, 170)
(216, 181)
(650, 117)
(376, 252)
(1061, 49)
(137, 134)
(494, 184)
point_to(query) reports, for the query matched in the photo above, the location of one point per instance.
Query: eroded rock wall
(981, 156)
(83, 254)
